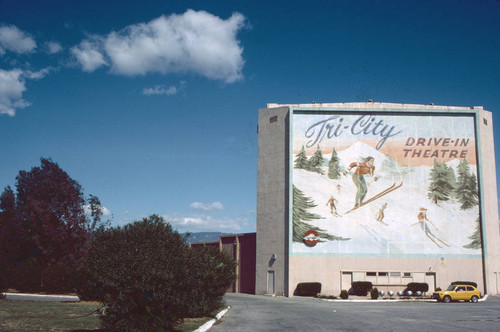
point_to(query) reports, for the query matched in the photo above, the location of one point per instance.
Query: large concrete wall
(332, 271)
(445, 270)
(272, 201)
(491, 232)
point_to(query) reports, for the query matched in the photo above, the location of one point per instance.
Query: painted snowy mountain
(401, 234)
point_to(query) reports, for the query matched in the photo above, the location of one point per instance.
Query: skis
(382, 193)
(383, 223)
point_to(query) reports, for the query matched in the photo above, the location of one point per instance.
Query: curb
(205, 327)
(484, 298)
(41, 297)
(382, 301)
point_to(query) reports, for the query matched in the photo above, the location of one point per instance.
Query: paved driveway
(263, 313)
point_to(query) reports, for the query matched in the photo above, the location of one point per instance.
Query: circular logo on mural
(311, 238)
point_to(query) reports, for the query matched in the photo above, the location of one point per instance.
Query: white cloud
(202, 223)
(15, 40)
(194, 42)
(160, 90)
(36, 75)
(88, 55)
(215, 206)
(53, 47)
(12, 86)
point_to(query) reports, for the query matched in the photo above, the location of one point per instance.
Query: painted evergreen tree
(442, 186)
(316, 162)
(300, 214)
(333, 166)
(475, 237)
(301, 161)
(451, 178)
(466, 190)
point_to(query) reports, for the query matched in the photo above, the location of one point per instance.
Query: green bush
(344, 294)
(417, 286)
(58, 279)
(471, 283)
(438, 289)
(308, 288)
(361, 288)
(212, 272)
(149, 279)
(374, 293)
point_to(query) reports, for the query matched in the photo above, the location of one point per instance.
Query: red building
(242, 247)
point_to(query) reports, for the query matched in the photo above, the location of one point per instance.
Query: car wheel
(447, 299)
(474, 299)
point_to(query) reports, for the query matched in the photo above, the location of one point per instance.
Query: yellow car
(458, 293)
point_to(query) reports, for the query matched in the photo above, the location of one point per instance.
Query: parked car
(458, 293)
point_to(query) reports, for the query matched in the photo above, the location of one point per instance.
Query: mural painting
(385, 184)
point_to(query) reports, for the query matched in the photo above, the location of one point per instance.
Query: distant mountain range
(203, 236)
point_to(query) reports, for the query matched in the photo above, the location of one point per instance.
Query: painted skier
(333, 209)
(363, 168)
(424, 224)
(380, 214)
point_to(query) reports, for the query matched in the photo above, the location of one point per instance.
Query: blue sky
(152, 106)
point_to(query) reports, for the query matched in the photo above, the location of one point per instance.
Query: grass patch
(48, 316)
(18, 315)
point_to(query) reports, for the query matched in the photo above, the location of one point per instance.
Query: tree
(333, 166)
(50, 206)
(45, 222)
(9, 236)
(466, 190)
(301, 161)
(10, 231)
(148, 279)
(441, 187)
(316, 162)
(300, 214)
(475, 237)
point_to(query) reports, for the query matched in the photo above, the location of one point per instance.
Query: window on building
(395, 274)
(407, 275)
(383, 274)
(371, 274)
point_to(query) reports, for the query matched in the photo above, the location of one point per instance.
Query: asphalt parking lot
(264, 313)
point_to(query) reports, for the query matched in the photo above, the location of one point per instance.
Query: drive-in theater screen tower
(380, 192)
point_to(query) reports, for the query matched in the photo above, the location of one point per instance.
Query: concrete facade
(280, 266)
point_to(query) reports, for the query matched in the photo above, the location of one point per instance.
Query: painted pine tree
(301, 161)
(333, 166)
(441, 187)
(466, 190)
(451, 178)
(316, 162)
(301, 206)
(475, 237)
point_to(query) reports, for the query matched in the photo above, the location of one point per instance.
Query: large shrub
(149, 280)
(58, 278)
(211, 272)
(25, 277)
(344, 294)
(417, 286)
(374, 294)
(308, 288)
(361, 288)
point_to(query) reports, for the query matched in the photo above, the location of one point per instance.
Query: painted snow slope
(398, 237)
